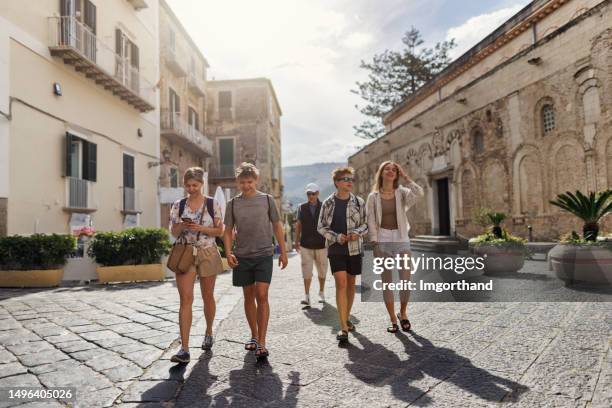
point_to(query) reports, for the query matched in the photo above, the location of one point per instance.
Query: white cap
(312, 187)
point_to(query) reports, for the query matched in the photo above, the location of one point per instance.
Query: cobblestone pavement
(114, 344)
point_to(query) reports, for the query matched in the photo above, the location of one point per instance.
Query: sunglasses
(311, 193)
(346, 179)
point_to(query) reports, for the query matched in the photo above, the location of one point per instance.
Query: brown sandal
(394, 328)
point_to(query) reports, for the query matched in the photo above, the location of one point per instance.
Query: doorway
(443, 207)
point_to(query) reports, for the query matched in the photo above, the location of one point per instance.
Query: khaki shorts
(208, 262)
(312, 257)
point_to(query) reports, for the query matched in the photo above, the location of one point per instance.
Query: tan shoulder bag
(183, 255)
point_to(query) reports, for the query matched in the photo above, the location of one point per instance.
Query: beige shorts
(312, 257)
(208, 262)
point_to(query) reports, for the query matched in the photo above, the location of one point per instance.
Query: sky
(311, 51)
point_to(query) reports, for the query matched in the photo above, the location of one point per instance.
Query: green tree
(395, 75)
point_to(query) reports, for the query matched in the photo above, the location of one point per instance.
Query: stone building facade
(522, 116)
(243, 119)
(183, 142)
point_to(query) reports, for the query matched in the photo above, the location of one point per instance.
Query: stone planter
(500, 258)
(44, 278)
(585, 263)
(130, 273)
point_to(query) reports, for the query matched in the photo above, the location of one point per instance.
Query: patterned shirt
(356, 222)
(190, 236)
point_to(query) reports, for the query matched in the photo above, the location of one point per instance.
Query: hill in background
(296, 178)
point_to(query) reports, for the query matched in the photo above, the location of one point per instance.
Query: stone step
(436, 243)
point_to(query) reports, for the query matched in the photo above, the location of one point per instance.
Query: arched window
(477, 140)
(548, 118)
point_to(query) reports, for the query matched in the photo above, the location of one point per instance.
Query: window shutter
(68, 161)
(90, 159)
(118, 36)
(90, 15)
(135, 56)
(128, 171)
(65, 8)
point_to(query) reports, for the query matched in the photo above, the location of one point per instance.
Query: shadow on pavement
(426, 361)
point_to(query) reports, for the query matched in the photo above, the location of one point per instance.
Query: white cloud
(477, 28)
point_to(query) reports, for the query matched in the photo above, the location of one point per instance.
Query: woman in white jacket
(388, 229)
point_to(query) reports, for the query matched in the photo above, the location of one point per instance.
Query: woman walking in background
(388, 229)
(196, 220)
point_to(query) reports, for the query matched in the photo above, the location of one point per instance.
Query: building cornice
(512, 28)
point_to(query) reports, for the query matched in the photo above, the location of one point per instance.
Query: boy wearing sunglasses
(343, 223)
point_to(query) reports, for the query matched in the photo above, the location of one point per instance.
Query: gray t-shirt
(253, 219)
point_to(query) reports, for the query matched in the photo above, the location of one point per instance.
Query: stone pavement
(114, 343)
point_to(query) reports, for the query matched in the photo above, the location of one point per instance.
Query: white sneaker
(321, 297)
(306, 300)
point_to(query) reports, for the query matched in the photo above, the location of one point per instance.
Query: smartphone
(185, 219)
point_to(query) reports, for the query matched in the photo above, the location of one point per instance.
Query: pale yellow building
(521, 117)
(182, 108)
(79, 129)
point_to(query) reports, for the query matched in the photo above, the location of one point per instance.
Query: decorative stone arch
(477, 139)
(425, 157)
(494, 191)
(466, 168)
(572, 170)
(521, 162)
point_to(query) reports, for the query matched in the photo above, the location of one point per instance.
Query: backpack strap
(182, 206)
(210, 207)
(269, 208)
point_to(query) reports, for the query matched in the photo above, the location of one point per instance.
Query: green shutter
(90, 161)
(68, 158)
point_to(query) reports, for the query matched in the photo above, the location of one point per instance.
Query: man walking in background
(310, 244)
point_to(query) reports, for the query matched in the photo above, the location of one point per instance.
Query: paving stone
(23, 380)
(63, 365)
(128, 328)
(99, 398)
(63, 338)
(144, 334)
(44, 357)
(30, 347)
(123, 373)
(144, 358)
(18, 336)
(80, 377)
(144, 318)
(49, 330)
(75, 346)
(6, 357)
(150, 391)
(100, 335)
(9, 324)
(106, 362)
(11, 369)
(86, 328)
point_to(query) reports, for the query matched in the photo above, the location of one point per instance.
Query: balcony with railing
(78, 46)
(175, 128)
(222, 171)
(80, 195)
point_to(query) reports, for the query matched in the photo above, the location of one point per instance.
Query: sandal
(262, 352)
(351, 326)
(405, 323)
(342, 335)
(251, 345)
(394, 328)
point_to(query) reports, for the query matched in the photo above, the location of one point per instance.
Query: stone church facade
(522, 116)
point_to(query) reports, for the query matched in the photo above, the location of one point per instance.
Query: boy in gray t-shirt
(255, 218)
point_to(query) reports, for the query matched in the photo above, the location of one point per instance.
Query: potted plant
(502, 252)
(134, 254)
(584, 258)
(34, 261)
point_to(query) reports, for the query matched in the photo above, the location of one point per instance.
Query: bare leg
(341, 298)
(321, 284)
(250, 308)
(207, 286)
(307, 282)
(184, 284)
(350, 294)
(263, 311)
(387, 276)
